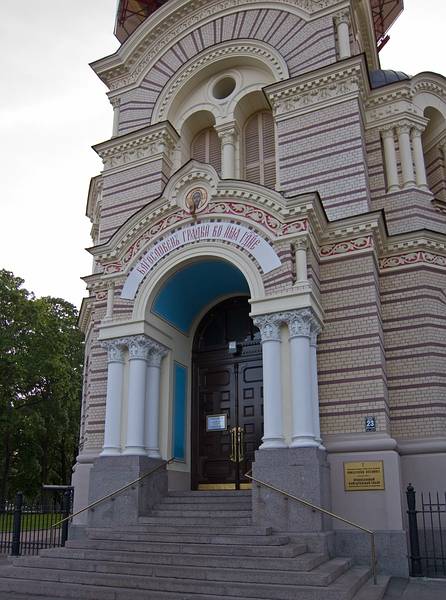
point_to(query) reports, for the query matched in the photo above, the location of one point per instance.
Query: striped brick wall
(127, 191)
(323, 151)
(414, 311)
(436, 173)
(351, 361)
(94, 416)
(304, 46)
(281, 279)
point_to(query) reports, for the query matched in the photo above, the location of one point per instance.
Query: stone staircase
(194, 546)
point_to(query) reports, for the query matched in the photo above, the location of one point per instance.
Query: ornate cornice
(175, 19)
(304, 92)
(148, 143)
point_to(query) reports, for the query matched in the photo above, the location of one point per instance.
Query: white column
(342, 22)
(113, 406)
(110, 301)
(135, 443)
(390, 159)
(299, 324)
(155, 357)
(301, 260)
(115, 102)
(269, 326)
(228, 137)
(314, 384)
(406, 155)
(418, 155)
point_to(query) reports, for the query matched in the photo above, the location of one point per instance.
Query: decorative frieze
(346, 246)
(412, 258)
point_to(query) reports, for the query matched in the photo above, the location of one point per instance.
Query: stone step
(320, 576)
(204, 507)
(201, 513)
(27, 580)
(219, 521)
(210, 494)
(208, 500)
(188, 538)
(287, 550)
(212, 530)
(303, 561)
(371, 591)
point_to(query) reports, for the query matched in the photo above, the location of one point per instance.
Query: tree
(41, 351)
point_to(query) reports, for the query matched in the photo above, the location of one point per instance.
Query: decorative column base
(110, 473)
(302, 472)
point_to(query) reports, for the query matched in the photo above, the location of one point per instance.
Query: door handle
(233, 455)
(241, 444)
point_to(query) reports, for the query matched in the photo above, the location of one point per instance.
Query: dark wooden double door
(227, 406)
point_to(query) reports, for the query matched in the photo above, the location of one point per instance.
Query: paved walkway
(416, 589)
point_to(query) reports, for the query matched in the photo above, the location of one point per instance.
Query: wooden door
(227, 406)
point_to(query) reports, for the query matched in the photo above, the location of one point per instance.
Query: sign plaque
(216, 423)
(364, 476)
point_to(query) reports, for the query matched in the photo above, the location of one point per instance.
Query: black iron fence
(427, 533)
(27, 527)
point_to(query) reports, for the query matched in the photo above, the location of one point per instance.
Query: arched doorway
(227, 396)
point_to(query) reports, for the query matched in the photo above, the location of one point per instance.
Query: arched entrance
(227, 396)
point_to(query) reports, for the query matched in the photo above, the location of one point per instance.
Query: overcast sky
(53, 109)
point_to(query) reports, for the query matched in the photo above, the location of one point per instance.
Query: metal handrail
(114, 493)
(325, 512)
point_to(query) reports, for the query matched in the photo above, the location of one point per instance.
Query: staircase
(194, 546)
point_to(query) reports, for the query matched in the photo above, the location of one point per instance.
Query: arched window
(206, 148)
(259, 150)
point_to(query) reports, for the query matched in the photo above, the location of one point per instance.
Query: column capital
(343, 16)
(138, 346)
(115, 349)
(302, 323)
(156, 353)
(227, 132)
(388, 131)
(403, 128)
(269, 326)
(417, 130)
(301, 243)
(115, 102)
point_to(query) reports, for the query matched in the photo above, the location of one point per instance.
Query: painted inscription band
(239, 235)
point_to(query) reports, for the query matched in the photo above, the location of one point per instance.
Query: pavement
(418, 588)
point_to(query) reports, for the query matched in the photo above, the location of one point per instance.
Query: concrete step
(25, 579)
(189, 538)
(320, 576)
(287, 550)
(304, 561)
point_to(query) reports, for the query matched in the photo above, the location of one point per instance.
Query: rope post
(17, 524)
(415, 559)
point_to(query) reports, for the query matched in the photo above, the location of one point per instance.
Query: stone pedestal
(303, 472)
(109, 473)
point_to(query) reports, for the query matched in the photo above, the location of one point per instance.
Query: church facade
(269, 264)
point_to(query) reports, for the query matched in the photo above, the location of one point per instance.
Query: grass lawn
(30, 521)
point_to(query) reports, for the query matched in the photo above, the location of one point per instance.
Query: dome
(382, 77)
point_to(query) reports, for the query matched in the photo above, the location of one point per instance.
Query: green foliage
(41, 353)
